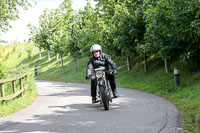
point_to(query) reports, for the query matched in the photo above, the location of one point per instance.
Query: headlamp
(99, 74)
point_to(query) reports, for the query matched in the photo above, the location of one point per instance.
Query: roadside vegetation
(148, 37)
(10, 58)
(10, 66)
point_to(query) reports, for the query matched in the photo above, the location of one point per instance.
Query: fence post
(14, 86)
(2, 92)
(21, 86)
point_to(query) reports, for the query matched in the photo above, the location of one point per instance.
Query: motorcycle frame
(100, 82)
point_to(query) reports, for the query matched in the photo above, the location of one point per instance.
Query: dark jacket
(103, 61)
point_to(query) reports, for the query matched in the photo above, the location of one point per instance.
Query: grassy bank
(11, 66)
(186, 97)
(17, 104)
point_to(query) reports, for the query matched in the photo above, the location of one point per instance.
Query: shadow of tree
(62, 118)
(34, 60)
(74, 118)
(68, 118)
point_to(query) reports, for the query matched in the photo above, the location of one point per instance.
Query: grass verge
(10, 59)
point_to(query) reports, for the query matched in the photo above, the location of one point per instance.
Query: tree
(35, 37)
(87, 30)
(129, 27)
(169, 30)
(60, 36)
(105, 10)
(10, 11)
(70, 27)
(43, 35)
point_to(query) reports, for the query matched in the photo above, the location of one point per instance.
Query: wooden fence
(15, 91)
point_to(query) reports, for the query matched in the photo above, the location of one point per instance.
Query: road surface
(66, 108)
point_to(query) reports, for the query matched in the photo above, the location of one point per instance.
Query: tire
(104, 98)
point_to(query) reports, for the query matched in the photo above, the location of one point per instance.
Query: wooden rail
(121, 67)
(16, 93)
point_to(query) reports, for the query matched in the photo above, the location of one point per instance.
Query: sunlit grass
(13, 66)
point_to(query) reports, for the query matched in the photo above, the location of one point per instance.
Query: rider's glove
(87, 77)
(115, 72)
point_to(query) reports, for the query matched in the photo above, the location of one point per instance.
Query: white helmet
(95, 47)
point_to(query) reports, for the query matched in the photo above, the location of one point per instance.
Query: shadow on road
(66, 108)
(74, 117)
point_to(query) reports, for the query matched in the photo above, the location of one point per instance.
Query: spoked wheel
(104, 98)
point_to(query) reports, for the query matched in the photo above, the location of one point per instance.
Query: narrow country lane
(66, 108)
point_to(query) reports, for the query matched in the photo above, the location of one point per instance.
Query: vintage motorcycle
(103, 87)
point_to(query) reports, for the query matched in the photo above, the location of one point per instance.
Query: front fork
(107, 90)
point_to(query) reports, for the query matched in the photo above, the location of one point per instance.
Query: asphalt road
(66, 108)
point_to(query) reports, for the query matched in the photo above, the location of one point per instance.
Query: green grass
(186, 97)
(17, 104)
(12, 67)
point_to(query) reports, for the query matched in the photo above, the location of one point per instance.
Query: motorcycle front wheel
(104, 98)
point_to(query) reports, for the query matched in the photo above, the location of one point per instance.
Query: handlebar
(103, 69)
(100, 69)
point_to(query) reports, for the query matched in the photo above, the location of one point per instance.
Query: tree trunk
(145, 63)
(61, 57)
(48, 54)
(40, 53)
(166, 67)
(75, 64)
(128, 62)
(57, 57)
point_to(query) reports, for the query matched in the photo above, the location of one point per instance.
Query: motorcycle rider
(99, 59)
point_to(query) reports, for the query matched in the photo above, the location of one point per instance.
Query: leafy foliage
(10, 11)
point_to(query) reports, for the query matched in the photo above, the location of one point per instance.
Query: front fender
(101, 82)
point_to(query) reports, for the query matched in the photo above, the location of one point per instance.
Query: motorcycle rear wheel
(104, 98)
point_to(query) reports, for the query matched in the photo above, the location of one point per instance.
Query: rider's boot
(115, 94)
(94, 100)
